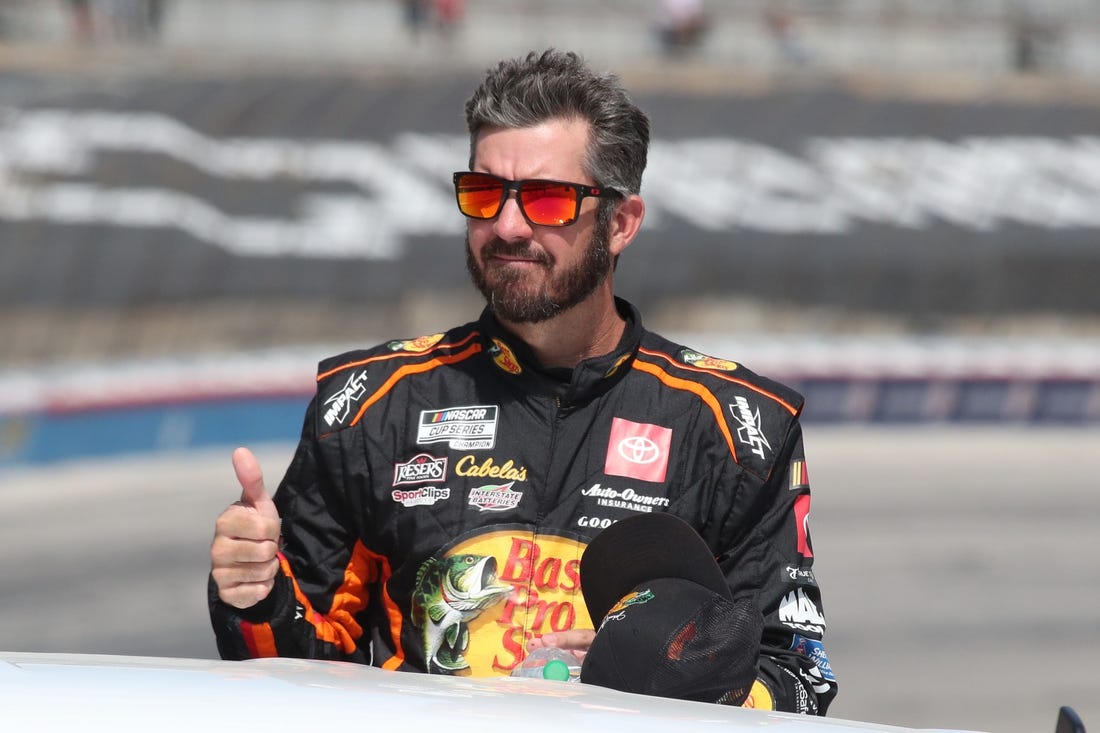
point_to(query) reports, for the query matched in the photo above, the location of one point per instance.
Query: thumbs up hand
(243, 558)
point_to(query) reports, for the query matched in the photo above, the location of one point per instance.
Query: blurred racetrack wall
(890, 204)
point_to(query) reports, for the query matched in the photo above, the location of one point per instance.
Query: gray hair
(524, 92)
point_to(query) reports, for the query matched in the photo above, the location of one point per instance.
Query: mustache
(515, 249)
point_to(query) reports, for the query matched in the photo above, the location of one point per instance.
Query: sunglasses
(544, 203)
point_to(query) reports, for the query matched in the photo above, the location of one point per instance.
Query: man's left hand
(575, 640)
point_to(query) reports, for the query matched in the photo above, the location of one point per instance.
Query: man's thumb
(251, 478)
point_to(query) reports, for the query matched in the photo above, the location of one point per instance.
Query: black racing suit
(437, 505)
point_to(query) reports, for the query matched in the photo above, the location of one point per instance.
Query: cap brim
(641, 548)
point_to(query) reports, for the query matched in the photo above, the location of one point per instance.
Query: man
(444, 488)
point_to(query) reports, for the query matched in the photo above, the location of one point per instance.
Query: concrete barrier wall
(62, 413)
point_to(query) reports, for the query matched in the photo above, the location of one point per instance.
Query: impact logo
(461, 428)
(338, 406)
(799, 612)
(749, 433)
(495, 498)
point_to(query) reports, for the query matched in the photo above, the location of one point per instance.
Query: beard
(512, 298)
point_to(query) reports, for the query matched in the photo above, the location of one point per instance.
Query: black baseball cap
(667, 623)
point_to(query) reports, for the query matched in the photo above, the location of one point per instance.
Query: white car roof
(118, 693)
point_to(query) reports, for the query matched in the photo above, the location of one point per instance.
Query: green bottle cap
(556, 669)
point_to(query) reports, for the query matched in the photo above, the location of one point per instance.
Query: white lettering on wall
(392, 191)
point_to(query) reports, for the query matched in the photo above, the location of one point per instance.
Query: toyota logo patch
(638, 450)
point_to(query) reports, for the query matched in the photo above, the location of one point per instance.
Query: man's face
(531, 273)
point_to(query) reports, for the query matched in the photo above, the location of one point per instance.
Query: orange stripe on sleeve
(340, 628)
(759, 390)
(401, 373)
(352, 595)
(395, 355)
(259, 639)
(393, 613)
(703, 393)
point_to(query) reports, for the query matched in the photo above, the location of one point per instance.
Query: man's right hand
(243, 558)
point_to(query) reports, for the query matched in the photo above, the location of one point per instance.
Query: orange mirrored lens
(548, 203)
(479, 196)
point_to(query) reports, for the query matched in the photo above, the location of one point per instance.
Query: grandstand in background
(201, 182)
(983, 37)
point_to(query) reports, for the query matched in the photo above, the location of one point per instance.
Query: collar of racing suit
(586, 381)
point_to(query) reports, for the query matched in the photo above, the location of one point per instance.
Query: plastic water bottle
(549, 663)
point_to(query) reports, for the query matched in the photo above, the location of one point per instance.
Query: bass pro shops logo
(416, 345)
(694, 358)
(503, 356)
(477, 603)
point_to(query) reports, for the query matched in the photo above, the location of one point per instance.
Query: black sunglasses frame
(582, 192)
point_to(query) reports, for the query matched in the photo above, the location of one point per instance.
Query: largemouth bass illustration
(449, 594)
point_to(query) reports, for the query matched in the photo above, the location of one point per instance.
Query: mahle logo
(798, 611)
